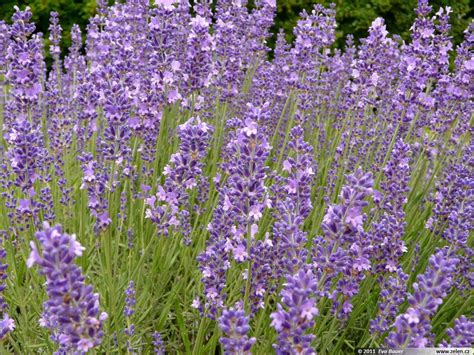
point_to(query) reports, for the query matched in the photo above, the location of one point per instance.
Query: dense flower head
(295, 314)
(392, 294)
(245, 195)
(72, 309)
(26, 65)
(130, 300)
(413, 327)
(299, 179)
(7, 324)
(96, 181)
(55, 34)
(461, 335)
(184, 173)
(345, 220)
(158, 344)
(234, 324)
(387, 233)
(345, 249)
(293, 206)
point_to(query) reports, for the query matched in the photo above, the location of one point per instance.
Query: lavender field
(172, 185)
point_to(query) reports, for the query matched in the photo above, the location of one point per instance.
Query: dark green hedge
(353, 16)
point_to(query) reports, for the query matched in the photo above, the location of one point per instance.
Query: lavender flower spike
(72, 309)
(6, 324)
(462, 335)
(298, 297)
(413, 328)
(158, 345)
(235, 325)
(129, 311)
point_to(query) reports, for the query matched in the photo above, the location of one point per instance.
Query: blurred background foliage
(353, 16)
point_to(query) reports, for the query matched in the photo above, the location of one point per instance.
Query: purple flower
(96, 183)
(234, 223)
(388, 232)
(171, 206)
(453, 213)
(294, 316)
(6, 324)
(293, 204)
(129, 311)
(199, 64)
(72, 310)
(413, 328)
(158, 344)
(235, 326)
(345, 249)
(461, 335)
(392, 295)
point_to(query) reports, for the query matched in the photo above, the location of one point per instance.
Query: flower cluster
(129, 311)
(72, 310)
(294, 316)
(293, 204)
(345, 248)
(6, 323)
(387, 233)
(310, 182)
(413, 328)
(461, 335)
(170, 207)
(235, 326)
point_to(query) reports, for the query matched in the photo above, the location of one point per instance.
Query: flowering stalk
(387, 234)
(129, 311)
(240, 207)
(7, 324)
(461, 335)
(158, 345)
(235, 326)
(293, 196)
(346, 249)
(72, 310)
(170, 207)
(413, 328)
(294, 316)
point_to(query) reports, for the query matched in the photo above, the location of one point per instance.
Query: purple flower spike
(293, 204)
(391, 297)
(6, 324)
(72, 310)
(295, 316)
(235, 326)
(388, 232)
(345, 248)
(170, 207)
(413, 328)
(129, 311)
(158, 344)
(130, 300)
(461, 335)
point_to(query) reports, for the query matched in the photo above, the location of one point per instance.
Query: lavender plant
(72, 309)
(228, 197)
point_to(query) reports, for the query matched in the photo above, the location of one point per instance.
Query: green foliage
(354, 17)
